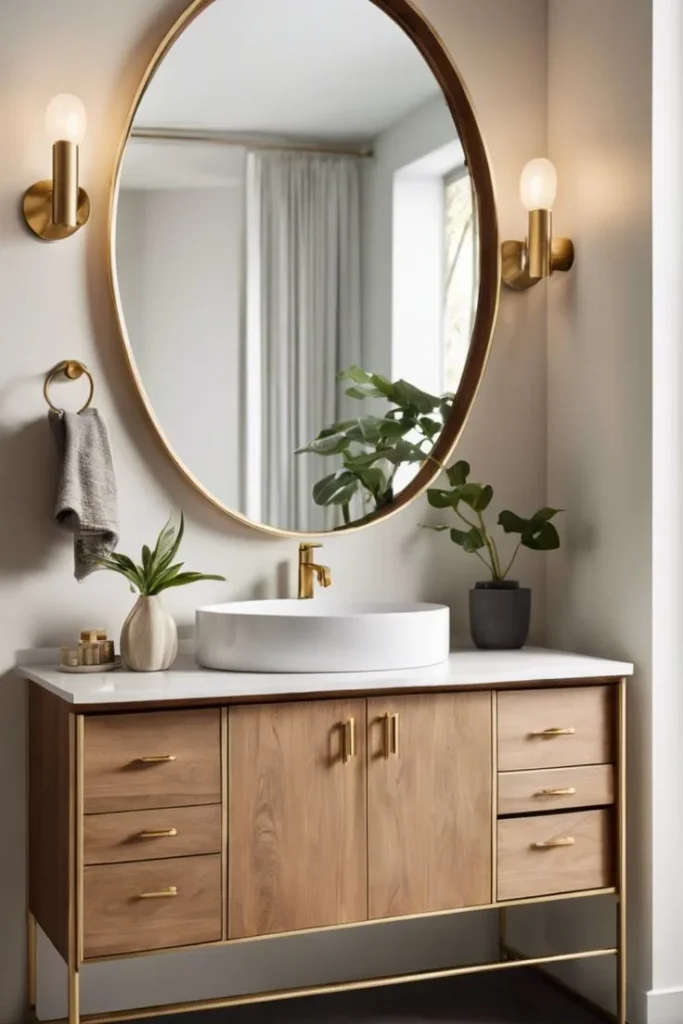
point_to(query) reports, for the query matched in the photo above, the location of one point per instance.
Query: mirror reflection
(297, 258)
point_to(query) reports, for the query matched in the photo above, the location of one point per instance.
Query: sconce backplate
(515, 262)
(37, 207)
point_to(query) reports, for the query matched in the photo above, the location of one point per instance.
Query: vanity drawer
(150, 835)
(554, 853)
(151, 759)
(554, 789)
(127, 907)
(555, 728)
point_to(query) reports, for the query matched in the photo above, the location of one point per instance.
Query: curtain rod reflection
(248, 142)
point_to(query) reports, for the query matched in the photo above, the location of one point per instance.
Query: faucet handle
(308, 546)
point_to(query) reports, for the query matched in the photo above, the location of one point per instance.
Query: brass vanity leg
(74, 995)
(31, 960)
(621, 857)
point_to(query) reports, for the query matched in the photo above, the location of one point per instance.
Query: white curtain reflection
(303, 324)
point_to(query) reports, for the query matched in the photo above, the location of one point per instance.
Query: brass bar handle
(551, 733)
(172, 890)
(549, 844)
(390, 736)
(560, 791)
(348, 739)
(156, 758)
(394, 734)
(157, 833)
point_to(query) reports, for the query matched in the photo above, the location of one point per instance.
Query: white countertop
(187, 682)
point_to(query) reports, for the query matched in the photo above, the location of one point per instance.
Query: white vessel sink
(321, 636)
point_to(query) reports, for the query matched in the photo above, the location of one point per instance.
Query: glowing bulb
(65, 119)
(538, 184)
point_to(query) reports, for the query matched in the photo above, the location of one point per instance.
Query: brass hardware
(348, 739)
(622, 937)
(566, 791)
(390, 735)
(223, 1002)
(156, 758)
(552, 733)
(162, 894)
(527, 263)
(37, 206)
(417, 28)
(309, 571)
(225, 784)
(71, 369)
(157, 833)
(57, 208)
(550, 844)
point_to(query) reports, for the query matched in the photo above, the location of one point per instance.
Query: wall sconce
(56, 209)
(526, 263)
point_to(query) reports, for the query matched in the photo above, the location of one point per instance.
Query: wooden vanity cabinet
(164, 828)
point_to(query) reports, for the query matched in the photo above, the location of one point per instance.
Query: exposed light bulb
(538, 184)
(65, 118)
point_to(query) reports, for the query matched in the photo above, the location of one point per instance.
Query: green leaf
(146, 558)
(511, 522)
(355, 373)
(469, 540)
(477, 496)
(407, 395)
(335, 489)
(164, 541)
(544, 514)
(374, 480)
(184, 578)
(334, 444)
(364, 391)
(439, 498)
(541, 536)
(430, 428)
(457, 474)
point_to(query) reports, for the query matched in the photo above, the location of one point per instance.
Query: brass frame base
(515, 262)
(37, 209)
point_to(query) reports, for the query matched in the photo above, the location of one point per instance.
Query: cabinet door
(297, 820)
(429, 803)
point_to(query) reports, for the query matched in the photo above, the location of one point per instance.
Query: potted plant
(149, 638)
(500, 610)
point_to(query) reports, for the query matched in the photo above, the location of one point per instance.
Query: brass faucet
(308, 571)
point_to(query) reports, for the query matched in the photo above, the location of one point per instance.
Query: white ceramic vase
(149, 638)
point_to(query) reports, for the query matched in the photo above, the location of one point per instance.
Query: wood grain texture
(297, 819)
(112, 838)
(589, 710)
(116, 780)
(50, 786)
(527, 792)
(430, 807)
(525, 871)
(116, 920)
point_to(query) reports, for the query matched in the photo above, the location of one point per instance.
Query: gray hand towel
(86, 497)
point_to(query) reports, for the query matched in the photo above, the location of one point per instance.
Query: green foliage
(536, 533)
(158, 570)
(372, 448)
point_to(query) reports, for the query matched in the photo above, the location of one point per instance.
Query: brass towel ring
(72, 370)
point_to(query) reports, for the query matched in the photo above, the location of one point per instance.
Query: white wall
(599, 410)
(55, 303)
(180, 267)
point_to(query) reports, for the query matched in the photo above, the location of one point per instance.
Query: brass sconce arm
(56, 209)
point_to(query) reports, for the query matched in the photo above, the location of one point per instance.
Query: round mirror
(305, 257)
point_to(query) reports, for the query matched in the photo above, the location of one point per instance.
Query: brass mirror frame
(434, 51)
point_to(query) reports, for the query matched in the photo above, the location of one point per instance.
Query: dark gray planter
(500, 615)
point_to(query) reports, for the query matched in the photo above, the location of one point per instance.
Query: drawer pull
(567, 791)
(348, 740)
(156, 759)
(172, 890)
(157, 833)
(552, 733)
(549, 844)
(390, 736)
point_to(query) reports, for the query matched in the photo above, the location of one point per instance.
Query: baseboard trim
(659, 1006)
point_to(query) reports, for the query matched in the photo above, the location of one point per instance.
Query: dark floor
(520, 997)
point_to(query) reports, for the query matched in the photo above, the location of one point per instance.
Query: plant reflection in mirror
(536, 533)
(373, 448)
